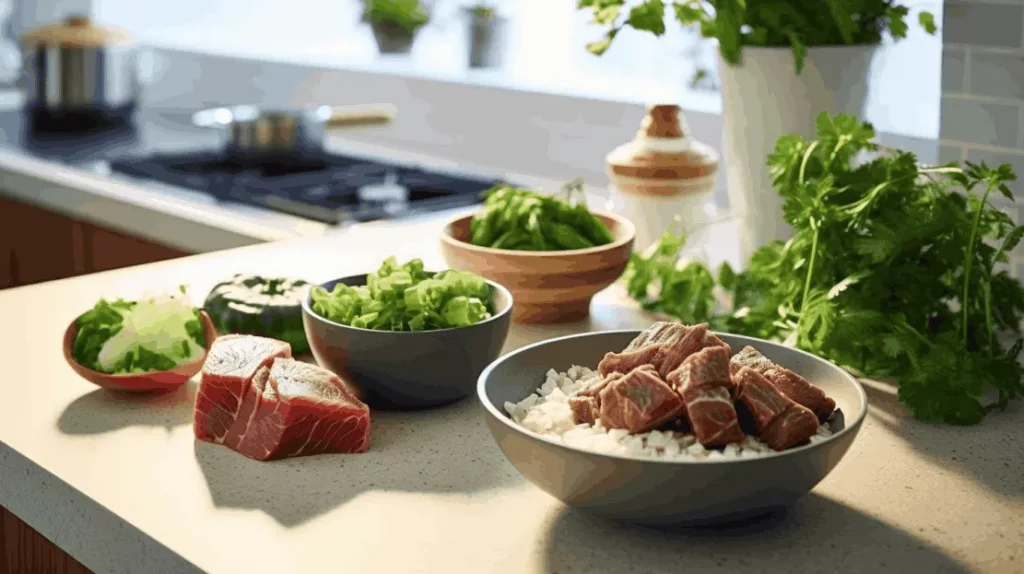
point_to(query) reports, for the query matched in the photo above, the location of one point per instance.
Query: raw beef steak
(298, 409)
(786, 382)
(703, 382)
(230, 365)
(639, 401)
(781, 422)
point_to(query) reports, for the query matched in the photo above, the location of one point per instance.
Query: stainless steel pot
(76, 66)
(254, 132)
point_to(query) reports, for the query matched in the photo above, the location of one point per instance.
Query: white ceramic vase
(764, 98)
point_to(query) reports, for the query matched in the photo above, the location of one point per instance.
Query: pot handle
(341, 117)
(217, 118)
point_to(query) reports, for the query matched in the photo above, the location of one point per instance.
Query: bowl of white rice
(661, 477)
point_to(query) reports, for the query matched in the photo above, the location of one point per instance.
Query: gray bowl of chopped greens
(408, 338)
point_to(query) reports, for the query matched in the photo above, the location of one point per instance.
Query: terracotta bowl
(548, 286)
(157, 381)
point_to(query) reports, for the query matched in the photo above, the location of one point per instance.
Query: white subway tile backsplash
(980, 122)
(953, 70)
(983, 71)
(949, 153)
(997, 75)
(983, 24)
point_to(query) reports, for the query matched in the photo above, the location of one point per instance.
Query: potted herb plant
(780, 64)
(485, 35)
(395, 23)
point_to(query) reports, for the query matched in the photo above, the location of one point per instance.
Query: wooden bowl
(157, 381)
(548, 286)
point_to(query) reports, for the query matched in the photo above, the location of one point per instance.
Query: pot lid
(662, 150)
(77, 30)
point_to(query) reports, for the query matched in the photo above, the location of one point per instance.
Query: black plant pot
(392, 39)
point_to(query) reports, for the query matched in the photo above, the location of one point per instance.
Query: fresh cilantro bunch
(773, 23)
(893, 270)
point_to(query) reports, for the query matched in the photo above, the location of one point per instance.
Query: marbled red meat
(229, 367)
(781, 422)
(298, 409)
(664, 346)
(255, 399)
(790, 384)
(639, 401)
(703, 382)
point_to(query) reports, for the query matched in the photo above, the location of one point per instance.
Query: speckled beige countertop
(122, 485)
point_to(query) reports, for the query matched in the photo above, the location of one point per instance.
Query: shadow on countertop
(102, 411)
(434, 451)
(982, 452)
(816, 535)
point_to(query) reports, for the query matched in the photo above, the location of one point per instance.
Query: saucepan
(77, 69)
(253, 132)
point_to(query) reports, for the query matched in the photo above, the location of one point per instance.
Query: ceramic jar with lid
(662, 175)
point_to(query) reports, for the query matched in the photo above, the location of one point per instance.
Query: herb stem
(806, 158)
(969, 259)
(807, 279)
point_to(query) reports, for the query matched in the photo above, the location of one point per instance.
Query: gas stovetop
(327, 188)
(330, 188)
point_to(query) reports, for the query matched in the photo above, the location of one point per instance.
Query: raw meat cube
(298, 409)
(227, 372)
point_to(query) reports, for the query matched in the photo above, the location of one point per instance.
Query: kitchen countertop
(121, 485)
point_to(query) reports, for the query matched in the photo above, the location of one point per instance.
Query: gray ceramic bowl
(654, 492)
(408, 370)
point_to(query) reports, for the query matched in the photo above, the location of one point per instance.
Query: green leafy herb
(773, 23)
(893, 269)
(524, 220)
(407, 298)
(408, 15)
(155, 334)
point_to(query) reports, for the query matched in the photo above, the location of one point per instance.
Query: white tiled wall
(982, 117)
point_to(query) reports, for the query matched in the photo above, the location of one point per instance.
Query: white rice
(547, 413)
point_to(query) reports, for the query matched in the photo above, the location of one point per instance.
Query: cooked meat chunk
(790, 384)
(639, 401)
(586, 401)
(703, 382)
(781, 422)
(664, 346)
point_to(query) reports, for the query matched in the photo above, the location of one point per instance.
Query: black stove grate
(329, 188)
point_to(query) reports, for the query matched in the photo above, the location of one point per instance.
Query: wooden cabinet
(108, 250)
(37, 245)
(25, 551)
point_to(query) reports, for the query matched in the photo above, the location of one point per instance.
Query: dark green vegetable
(254, 305)
(893, 270)
(524, 220)
(407, 298)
